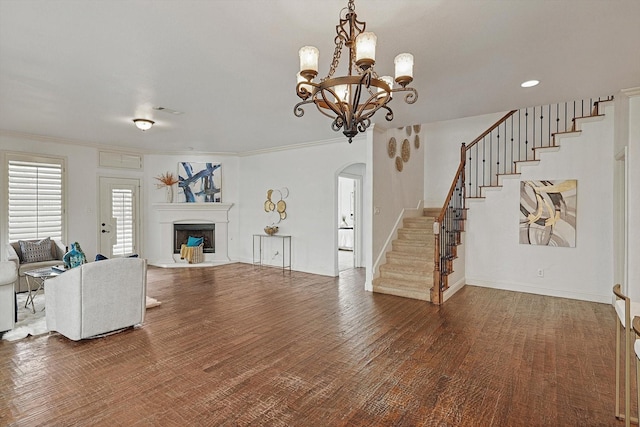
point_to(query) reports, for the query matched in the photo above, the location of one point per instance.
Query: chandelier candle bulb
(309, 61)
(343, 93)
(366, 50)
(389, 81)
(404, 68)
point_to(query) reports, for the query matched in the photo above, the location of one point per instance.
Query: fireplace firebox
(181, 233)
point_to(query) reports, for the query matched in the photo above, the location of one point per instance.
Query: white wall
(442, 152)
(310, 173)
(633, 193)
(496, 259)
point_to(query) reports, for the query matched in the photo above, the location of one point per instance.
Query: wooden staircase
(408, 271)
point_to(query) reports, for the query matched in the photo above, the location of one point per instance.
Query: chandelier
(351, 100)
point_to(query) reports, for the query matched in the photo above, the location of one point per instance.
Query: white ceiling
(82, 70)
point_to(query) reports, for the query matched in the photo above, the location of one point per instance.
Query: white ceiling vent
(168, 110)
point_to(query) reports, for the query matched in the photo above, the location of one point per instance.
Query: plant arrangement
(166, 180)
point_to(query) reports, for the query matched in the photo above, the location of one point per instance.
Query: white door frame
(104, 203)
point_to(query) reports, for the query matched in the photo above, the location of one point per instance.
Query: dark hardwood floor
(239, 345)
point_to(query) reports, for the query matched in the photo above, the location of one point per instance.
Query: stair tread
(403, 283)
(419, 294)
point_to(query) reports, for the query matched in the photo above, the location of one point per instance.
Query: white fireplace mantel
(176, 213)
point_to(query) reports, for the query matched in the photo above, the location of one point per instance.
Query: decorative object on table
(391, 148)
(75, 257)
(275, 205)
(548, 211)
(271, 230)
(416, 141)
(200, 182)
(352, 100)
(167, 181)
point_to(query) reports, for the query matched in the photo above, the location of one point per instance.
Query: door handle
(106, 231)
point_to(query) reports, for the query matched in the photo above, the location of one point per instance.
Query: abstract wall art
(548, 213)
(199, 182)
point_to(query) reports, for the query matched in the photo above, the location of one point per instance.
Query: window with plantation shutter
(35, 194)
(122, 211)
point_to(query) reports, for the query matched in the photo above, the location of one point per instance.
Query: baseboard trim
(520, 287)
(453, 289)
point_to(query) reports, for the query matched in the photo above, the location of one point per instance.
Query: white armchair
(8, 276)
(97, 298)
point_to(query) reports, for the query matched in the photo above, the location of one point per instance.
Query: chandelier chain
(336, 57)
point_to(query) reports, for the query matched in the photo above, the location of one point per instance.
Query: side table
(35, 283)
(286, 249)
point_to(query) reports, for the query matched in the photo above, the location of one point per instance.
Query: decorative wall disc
(406, 150)
(391, 147)
(281, 206)
(416, 142)
(399, 164)
(416, 128)
(408, 130)
(267, 206)
(283, 215)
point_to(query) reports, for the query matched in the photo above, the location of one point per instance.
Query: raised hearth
(170, 214)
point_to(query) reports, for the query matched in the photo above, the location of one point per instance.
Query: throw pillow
(36, 251)
(195, 241)
(100, 257)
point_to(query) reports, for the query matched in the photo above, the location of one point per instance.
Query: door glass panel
(122, 211)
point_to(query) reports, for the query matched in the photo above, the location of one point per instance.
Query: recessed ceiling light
(530, 83)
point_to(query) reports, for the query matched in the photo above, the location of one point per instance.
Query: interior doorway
(349, 217)
(347, 222)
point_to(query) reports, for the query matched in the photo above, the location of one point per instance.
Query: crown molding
(75, 142)
(341, 140)
(631, 92)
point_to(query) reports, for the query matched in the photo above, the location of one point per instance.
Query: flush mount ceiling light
(351, 100)
(143, 124)
(530, 83)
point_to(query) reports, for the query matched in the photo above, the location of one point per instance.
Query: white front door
(119, 225)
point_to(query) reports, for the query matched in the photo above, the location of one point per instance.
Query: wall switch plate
(540, 272)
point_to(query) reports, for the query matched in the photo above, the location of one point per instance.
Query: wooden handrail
(451, 190)
(488, 131)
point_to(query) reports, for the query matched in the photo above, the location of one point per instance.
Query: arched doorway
(349, 217)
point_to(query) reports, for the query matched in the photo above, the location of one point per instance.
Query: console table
(286, 249)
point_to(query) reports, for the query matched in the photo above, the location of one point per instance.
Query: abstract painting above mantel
(199, 182)
(548, 211)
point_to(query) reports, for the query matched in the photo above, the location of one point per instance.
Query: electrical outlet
(540, 272)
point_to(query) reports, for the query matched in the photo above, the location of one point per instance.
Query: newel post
(437, 279)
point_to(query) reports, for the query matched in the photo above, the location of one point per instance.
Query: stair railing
(496, 152)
